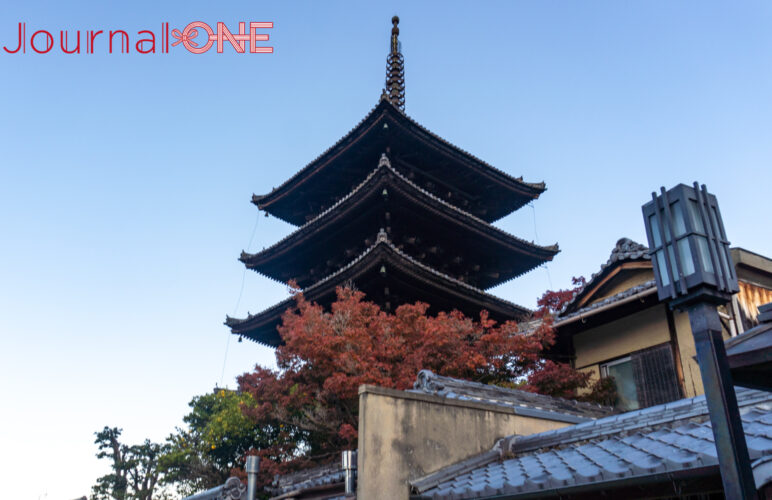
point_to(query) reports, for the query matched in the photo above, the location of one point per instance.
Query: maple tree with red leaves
(552, 302)
(328, 354)
(559, 379)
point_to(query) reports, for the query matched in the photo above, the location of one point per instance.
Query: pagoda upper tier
(400, 214)
(433, 164)
(388, 277)
(433, 231)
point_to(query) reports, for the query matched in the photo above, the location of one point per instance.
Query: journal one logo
(197, 37)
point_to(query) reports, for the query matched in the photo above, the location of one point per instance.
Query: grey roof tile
(648, 285)
(381, 239)
(385, 164)
(232, 489)
(521, 402)
(624, 250)
(308, 478)
(659, 440)
(537, 187)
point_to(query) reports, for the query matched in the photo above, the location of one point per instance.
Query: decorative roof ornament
(384, 160)
(395, 69)
(627, 249)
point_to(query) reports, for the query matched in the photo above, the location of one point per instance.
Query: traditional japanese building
(615, 326)
(399, 213)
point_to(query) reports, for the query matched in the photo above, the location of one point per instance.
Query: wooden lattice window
(644, 378)
(655, 376)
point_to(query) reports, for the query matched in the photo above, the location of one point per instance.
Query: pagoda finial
(395, 69)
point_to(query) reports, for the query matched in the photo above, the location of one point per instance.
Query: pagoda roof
(261, 327)
(300, 197)
(273, 262)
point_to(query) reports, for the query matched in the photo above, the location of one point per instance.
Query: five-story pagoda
(399, 213)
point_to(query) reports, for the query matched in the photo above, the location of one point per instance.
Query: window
(621, 370)
(644, 378)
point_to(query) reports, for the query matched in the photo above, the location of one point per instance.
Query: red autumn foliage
(556, 379)
(552, 302)
(559, 379)
(328, 354)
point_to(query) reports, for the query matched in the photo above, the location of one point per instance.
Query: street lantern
(694, 272)
(688, 246)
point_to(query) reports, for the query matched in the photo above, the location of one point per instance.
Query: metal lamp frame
(694, 272)
(688, 246)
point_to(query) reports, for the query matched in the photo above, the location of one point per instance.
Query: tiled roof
(256, 198)
(660, 440)
(755, 338)
(232, 489)
(536, 186)
(750, 353)
(625, 250)
(648, 285)
(385, 165)
(289, 485)
(522, 402)
(385, 104)
(382, 239)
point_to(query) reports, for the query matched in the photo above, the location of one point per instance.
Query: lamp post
(252, 469)
(348, 460)
(694, 272)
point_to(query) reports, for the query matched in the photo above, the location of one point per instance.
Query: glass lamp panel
(685, 254)
(694, 214)
(673, 267)
(654, 225)
(662, 267)
(702, 248)
(679, 222)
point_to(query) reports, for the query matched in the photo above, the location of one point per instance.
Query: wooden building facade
(616, 327)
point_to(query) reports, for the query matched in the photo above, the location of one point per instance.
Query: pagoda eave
(276, 261)
(383, 268)
(397, 213)
(283, 202)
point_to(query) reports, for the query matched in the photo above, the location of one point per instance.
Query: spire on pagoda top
(395, 69)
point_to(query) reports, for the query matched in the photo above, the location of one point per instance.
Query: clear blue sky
(125, 180)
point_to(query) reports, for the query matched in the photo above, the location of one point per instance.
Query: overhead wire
(536, 240)
(238, 300)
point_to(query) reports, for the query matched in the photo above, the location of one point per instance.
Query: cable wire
(536, 239)
(238, 301)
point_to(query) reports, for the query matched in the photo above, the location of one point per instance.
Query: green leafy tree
(216, 440)
(135, 470)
